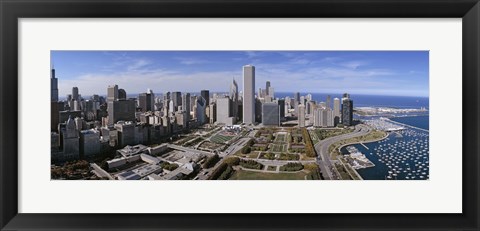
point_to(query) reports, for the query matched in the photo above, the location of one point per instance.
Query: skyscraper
(146, 101)
(270, 114)
(200, 110)
(223, 111)
(71, 140)
(271, 92)
(301, 115)
(267, 87)
(186, 107)
(347, 112)
(53, 86)
(119, 109)
(122, 94)
(297, 97)
(323, 117)
(177, 100)
(281, 104)
(75, 93)
(112, 93)
(206, 95)
(329, 99)
(336, 111)
(248, 94)
(234, 99)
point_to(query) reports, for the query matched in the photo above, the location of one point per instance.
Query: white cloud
(353, 64)
(138, 81)
(190, 61)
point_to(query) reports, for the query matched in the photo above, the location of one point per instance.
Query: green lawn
(279, 147)
(220, 139)
(324, 133)
(281, 138)
(250, 175)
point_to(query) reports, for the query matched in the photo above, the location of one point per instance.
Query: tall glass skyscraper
(54, 86)
(248, 94)
(347, 112)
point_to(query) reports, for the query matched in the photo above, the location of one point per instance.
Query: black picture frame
(11, 11)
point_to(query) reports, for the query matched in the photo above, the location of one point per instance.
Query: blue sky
(402, 73)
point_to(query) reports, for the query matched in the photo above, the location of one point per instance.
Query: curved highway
(323, 156)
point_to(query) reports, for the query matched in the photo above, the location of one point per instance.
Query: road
(323, 156)
(239, 144)
(185, 149)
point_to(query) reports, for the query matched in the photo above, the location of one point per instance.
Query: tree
(232, 161)
(211, 161)
(246, 150)
(218, 171)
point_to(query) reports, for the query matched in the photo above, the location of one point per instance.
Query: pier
(364, 146)
(406, 125)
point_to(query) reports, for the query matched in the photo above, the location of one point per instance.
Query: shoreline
(347, 144)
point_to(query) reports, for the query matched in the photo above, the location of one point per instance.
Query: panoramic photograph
(239, 115)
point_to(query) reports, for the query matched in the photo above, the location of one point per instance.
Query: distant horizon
(395, 73)
(301, 93)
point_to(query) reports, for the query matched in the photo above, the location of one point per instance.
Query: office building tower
(186, 102)
(223, 111)
(146, 101)
(76, 105)
(186, 107)
(206, 95)
(328, 102)
(249, 94)
(281, 104)
(270, 114)
(296, 97)
(301, 115)
(166, 95)
(55, 109)
(181, 118)
(213, 113)
(323, 117)
(126, 133)
(346, 95)
(347, 112)
(267, 88)
(311, 107)
(53, 86)
(295, 108)
(75, 93)
(200, 110)
(234, 99)
(258, 109)
(122, 94)
(171, 108)
(177, 100)
(336, 111)
(70, 141)
(121, 110)
(89, 143)
(112, 93)
(271, 92)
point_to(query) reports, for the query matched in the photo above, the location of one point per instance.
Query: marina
(403, 155)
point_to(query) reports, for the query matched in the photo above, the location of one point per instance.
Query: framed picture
(315, 112)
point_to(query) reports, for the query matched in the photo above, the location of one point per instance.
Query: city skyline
(337, 71)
